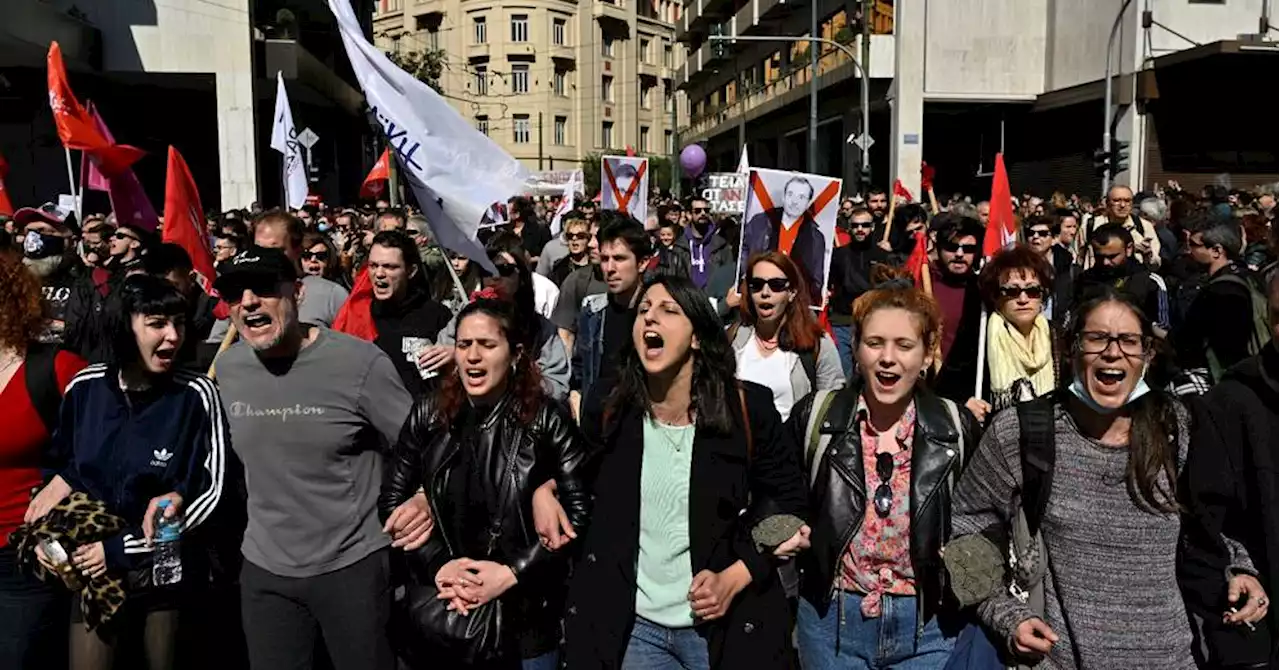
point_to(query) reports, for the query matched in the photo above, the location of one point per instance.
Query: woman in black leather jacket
(882, 454)
(478, 448)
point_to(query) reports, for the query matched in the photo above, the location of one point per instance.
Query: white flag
(566, 202)
(743, 166)
(284, 138)
(456, 172)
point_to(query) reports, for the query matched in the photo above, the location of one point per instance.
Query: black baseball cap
(259, 269)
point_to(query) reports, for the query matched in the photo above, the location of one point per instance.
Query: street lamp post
(1106, 113)
(813, 83)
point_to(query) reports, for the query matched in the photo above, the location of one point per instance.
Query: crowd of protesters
(599, 449)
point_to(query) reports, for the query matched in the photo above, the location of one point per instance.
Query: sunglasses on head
(1012, 292)
(952, 247)
(315, 256)
(884, 492)
(775, 284)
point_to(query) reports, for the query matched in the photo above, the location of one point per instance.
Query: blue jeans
(844, 346)
(547, 661)
(655, 647)
(887, 642)
(34, 619)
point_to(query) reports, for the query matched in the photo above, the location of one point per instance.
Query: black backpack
(42, 383)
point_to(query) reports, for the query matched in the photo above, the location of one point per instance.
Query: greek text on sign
(725, 192)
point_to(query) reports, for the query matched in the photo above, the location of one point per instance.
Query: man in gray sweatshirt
(310, 411)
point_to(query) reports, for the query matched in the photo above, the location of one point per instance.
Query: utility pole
(813, 87)
(539, 141)
(393, 179)
(675, 144)
(1107, 175)
(865, 176)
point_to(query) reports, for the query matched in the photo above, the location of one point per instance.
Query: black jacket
(850, 276)
(1231, 476)
(1133, 278)
(427, 455)
(87, 307)
(400, 323)
(756, 631)
(1220, 318)
(838, 494)
(1063, 289)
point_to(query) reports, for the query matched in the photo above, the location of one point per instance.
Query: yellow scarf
(1011, 357)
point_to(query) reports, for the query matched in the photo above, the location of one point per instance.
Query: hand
(884, 244)
(494, 580)
(978, 407)
(90, 560)
(410, 524)
(733, 298)
(798, 542)
(712, 593)
(1248, 599)
(575, 405)
(149, 519)
(1034, 637)
(434, 357)
(53, 493)
(549, 518)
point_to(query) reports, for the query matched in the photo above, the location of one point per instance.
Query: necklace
(770, 344)
(666, 430)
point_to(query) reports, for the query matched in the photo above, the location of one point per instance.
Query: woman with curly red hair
(33, 615)
(777, 340)
(478, 448)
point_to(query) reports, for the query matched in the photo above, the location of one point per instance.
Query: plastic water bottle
(166, 566)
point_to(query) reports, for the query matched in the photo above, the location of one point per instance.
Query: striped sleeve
(206, 470)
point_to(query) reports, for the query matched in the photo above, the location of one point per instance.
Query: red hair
(800, 330)
(21, 310)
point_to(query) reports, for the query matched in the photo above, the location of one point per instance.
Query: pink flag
(128, 200)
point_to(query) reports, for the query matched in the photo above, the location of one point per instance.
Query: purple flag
(128, 200)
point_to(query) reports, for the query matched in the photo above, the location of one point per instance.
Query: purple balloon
(694, 160)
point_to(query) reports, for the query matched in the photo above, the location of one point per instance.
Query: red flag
(76, 127)
(926, 177)
(899, 189)
(129, 202)
(355, 317)
(1000, 229)
(92, 177)
(376, 181)
(184, 222)
(918, 262)
(6, 207)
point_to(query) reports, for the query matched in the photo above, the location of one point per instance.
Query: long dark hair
(1152, 444)
(524, 383)
(526, 311)
(714, 365)
(139, 294)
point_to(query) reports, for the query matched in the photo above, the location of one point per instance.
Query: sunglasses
(776, 284)
(506, 269)
(700, 210)
(263, 286)
(321, 256)
(865, 225)
(121, 235)
(952, 247)
(1038, 233)
(1012, 292)
(883, 498)
(577, 237)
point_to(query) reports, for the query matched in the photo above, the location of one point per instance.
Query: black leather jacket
(548, 447)
(838, 494)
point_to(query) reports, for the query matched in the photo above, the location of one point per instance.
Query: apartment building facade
(952, 82)
(550, 80)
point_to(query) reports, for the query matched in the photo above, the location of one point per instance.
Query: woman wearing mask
(777, 341)
(320, 259)
(33, 614)
(132, 434)
(479, 447)
(1097, 496)
(675, 578)
(873, 584)
(1021, 361)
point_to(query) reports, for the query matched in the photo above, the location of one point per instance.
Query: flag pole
(982, 355)
(888, 220)
(457, 281)
(71, 182)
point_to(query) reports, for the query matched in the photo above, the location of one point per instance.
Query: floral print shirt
(878, 559)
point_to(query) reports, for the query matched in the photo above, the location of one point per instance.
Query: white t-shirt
(773, 371)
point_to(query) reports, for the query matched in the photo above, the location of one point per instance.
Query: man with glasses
(1219, 325)
(955, 287)
(1041, 233)
(702, 248)
(1119, 211)
(127, 245)
(851, 277)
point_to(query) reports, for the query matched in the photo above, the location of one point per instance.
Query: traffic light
(1101, 162)
(1119, 157)
(717, 46)
(864, 178)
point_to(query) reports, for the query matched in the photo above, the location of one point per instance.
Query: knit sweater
(1111, 591)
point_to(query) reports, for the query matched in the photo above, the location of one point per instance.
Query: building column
(907, 106)
(237, 139)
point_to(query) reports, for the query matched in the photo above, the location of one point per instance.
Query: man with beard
(878, 205)
(407, 319)
(851, 277)
(792, 230)
(1111, 246)
(701, 247)
(48, 250)
(955, 287)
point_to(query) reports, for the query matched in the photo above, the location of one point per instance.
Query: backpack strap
(1036, 442)
(815, 441)
(809, 361)
(42, 383)
(954, 411)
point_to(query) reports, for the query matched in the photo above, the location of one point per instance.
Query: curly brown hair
(1018, 258)
(525, 384)
(21, 310)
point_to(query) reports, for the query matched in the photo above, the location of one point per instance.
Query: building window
(479, 30)
(481, 73)
(606, 134)
(519, 77)
(482, 124)
(561, 131)
(520, 131)
(519, 27)
(644, 51)
(644, 139)
(391, 5)
(669, 138)
(606, 46)
(646, 96)
(668, 100)
(606, 88)
(666, 55)
(557, 83)
(433, 39)
(558, 27)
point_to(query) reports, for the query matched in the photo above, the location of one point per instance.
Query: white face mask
(1078, 389)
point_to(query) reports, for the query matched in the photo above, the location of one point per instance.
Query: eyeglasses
(577, 237)
(1039, 233)
(952, 247)
(775, 284)
(1096, 342)
(321, 256)
(1012, 292)
(884, 493)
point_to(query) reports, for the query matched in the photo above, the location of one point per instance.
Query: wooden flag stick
(888, 220)
(933, 201)
(227, 340)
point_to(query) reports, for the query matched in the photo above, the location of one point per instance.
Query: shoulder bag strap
(1036, 442)
(41, 377)
(504, 489)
